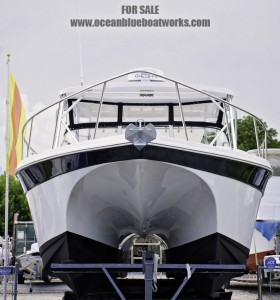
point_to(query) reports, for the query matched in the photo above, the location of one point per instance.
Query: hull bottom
(72, 248)
(215, 248)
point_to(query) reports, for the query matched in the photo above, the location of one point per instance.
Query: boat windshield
(203, 120)
(86, 112)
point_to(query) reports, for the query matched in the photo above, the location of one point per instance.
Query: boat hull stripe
(38, 173)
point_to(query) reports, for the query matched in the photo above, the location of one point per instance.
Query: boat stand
(149, 268)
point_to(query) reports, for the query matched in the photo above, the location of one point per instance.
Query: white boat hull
(145, 197)
(200, 203)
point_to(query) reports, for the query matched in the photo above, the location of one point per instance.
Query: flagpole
(6, 253)
(6, 259)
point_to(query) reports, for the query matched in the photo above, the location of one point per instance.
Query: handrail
(227, 122)
(181, 110)
(137, 71)
(257, 138)
(58, 125)
(99, 110)
(228, 107)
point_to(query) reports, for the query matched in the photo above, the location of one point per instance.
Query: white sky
(240, 51)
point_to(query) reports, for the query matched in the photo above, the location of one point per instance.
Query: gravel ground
(55, 291)
(237, 295)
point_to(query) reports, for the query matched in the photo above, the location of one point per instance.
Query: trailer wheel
(20, 278)
(46, 278)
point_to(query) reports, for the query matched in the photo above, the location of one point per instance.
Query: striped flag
(17, 118)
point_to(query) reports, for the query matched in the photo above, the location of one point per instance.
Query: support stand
(150, 268)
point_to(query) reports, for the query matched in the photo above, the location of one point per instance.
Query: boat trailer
(150, 269)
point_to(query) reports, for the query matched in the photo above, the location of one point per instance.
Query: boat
(265, 239)
(142, 155)
(2, 252)
(30, 266)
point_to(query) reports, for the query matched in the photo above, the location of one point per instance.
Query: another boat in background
(266, 234)
(3, 252)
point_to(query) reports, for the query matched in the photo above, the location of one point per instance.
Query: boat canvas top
(147, 92)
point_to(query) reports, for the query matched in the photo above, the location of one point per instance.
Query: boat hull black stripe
(38, 173)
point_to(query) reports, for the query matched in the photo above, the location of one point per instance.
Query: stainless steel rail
(230, 111)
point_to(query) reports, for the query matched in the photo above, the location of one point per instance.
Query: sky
(240, 50)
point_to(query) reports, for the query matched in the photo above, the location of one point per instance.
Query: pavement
(244, 288)
(40, 290)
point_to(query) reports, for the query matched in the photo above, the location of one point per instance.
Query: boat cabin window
(203, 120)
(86, 112)
(203, 112)
(147, 113)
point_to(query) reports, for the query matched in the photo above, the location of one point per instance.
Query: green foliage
(17, 203)
(246, 135)
(276, 171)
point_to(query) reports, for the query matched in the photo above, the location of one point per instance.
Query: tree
(246, 134)
(276, 171)
(17, 203)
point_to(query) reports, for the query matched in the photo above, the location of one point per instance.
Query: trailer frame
(149, 268)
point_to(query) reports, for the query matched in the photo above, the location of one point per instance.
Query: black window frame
(171, 121)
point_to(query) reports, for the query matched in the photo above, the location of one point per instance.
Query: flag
(266, 228)
(17, 118)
